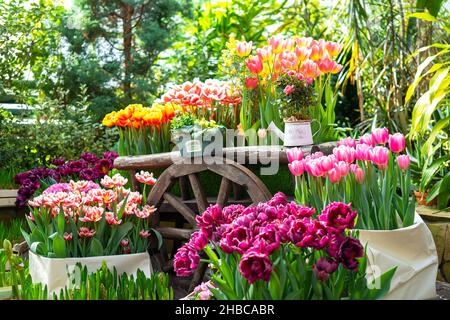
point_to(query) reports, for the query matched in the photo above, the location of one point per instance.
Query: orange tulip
(333, 48)
(316, 52)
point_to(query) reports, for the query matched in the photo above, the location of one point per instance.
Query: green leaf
(428, 173)
(59, 246)
(385, 285)
(423, 16)
(96, 249)
(120, 232)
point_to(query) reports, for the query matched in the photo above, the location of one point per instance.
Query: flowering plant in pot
(279, 73)
(281, 250)
(193, 136)
(143, 130)
(84, 222)
(374, 176)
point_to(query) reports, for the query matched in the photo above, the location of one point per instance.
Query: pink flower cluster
(349, 155)
(87, 202)
(201, 94)
(256, 232)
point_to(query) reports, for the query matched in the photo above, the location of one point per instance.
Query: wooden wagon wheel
(234, 177)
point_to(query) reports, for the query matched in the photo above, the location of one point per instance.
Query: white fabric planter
(53, 272)
(413, 251)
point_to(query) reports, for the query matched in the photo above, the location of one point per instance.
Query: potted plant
(374, 176)
(282, 251)
(296, 99)
(83, 222)
(193, 136)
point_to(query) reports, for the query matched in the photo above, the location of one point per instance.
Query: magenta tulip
(380, 135)
(296, 167)
(294, 154)
(397, 142)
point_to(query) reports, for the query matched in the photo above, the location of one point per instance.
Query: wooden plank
(182, 208)
(198, 192)
(7, 202)
(242, 155)
(430, 213)
(175, 233)
(8, 193)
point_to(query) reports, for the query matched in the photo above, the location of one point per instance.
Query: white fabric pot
(53, 272)
(413, 251)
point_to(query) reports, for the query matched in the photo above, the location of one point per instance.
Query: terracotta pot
(421, 199)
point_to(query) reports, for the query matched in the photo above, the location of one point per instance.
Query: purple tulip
(255, 266)
(89, 157)
(338, 216)
(324, 267)
(186, 261)
(349, 251)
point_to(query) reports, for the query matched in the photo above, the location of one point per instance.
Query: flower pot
(297, 133)
(421, 199)
(412, 250)
(53, 272)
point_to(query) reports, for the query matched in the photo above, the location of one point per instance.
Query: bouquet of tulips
(283, 69)
(83, 219)
(143, 130)
(371, 173)
(213, 99)
(280, 250)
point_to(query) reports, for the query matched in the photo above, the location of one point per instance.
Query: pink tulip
(264, 53)
(326, 65)
(342, 167)
(359, 175)
(309, 69)
(349, 142)
(243, 48)
(316, 52)
(397, 142)
(302, 53)
(313, 167)
(276, 43)
(294, 154)
(333, 48)
(254, 65)
(403, 161)
(354, 167)
(296, 167)
(334, 175)
(380, 135)
(304, 42)
(326, 163)
(380, 156)
(344, 153)
(251, 83)
(363, 152)
(317, 155)
(367, 139)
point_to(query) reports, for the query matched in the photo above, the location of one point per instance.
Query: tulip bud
(397, 142)
(334, 175)
(7, 246)
(380, 135)
(296, 167)
(294, 154)
(403, 161)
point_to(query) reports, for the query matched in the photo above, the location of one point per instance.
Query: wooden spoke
(181, 207)
(184, 188)
(224, 192)
(175, 233)
(199, 194)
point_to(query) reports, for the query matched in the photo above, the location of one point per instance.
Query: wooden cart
(238, 184)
